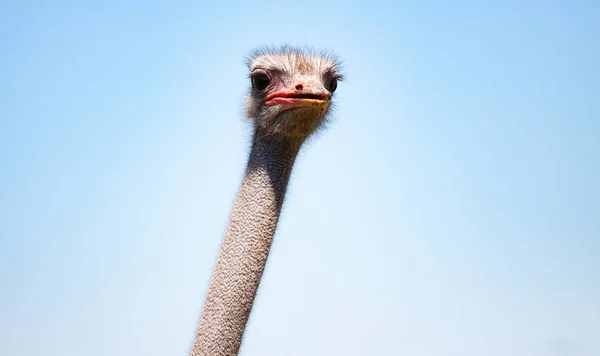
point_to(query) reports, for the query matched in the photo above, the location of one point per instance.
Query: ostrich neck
(245, 247)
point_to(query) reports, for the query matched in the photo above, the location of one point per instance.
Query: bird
(289, 99)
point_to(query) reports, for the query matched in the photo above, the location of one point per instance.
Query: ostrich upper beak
(301, 96)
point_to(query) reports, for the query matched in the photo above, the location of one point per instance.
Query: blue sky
(452, 208)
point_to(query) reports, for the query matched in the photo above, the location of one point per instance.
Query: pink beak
(302, 96)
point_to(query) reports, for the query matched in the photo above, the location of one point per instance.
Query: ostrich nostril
(299, 86)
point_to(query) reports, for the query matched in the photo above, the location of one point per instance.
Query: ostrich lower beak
(309, 97)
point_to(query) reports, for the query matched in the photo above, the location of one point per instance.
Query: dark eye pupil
(333, 85)
(260, 81)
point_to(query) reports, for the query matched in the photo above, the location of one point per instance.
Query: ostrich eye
(333, 85)
(260, 81)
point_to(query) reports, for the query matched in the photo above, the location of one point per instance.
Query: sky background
(452, 208)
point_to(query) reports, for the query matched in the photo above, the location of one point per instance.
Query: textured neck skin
(245, 248)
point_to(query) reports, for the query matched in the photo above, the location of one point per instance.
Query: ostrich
(289, 99)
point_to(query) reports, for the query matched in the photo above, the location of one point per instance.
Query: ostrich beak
(315, 96)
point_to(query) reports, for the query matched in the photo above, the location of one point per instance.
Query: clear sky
(452, 208)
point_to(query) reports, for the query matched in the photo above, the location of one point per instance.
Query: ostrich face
(291, 91)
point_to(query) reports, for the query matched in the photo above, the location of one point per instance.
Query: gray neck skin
(245, 248)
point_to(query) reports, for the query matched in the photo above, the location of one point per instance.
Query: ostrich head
(291, 91)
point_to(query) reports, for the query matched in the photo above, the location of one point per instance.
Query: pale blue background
(453, 208)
